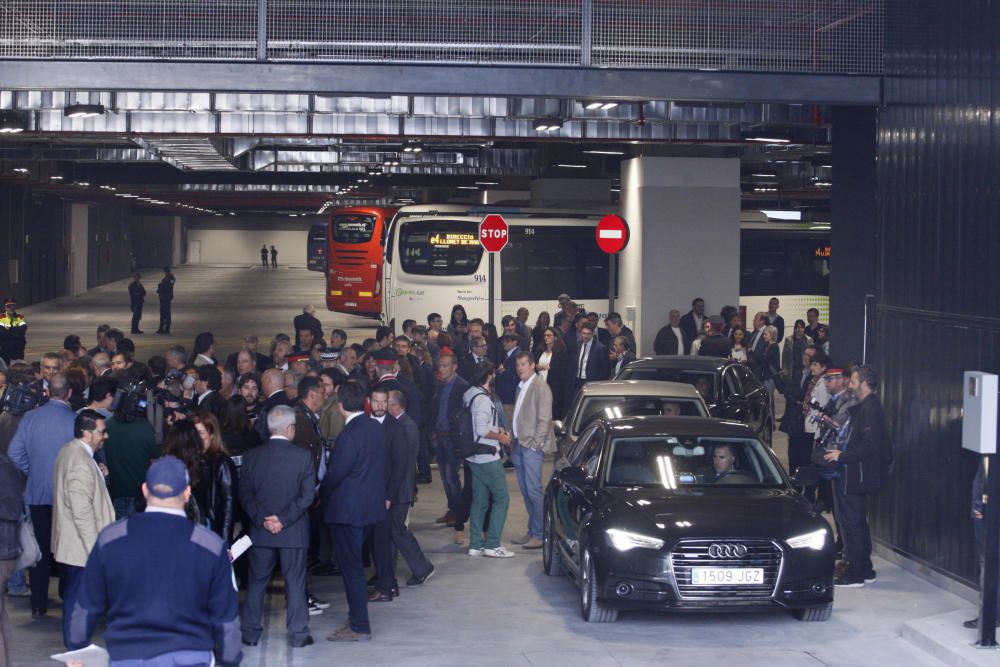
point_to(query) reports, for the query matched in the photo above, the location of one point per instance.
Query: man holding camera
(130, 448)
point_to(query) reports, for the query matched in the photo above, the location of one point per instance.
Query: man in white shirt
(533, 438)
(672, 339)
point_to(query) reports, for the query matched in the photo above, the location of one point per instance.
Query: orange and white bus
(355, 247)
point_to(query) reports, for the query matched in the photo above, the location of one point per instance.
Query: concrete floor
(480, 610)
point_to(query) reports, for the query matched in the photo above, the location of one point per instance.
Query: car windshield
(614, 407)
(695, 461)
(703, 381)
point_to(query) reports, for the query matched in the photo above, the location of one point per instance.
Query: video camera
(20, 398)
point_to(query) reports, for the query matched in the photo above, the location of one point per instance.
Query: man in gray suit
(277, 486)
(533, 439)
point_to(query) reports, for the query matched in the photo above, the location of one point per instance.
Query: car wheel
(593, 611)
(814, 614)
(552, 560)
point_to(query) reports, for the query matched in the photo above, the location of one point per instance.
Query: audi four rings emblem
(727, 550)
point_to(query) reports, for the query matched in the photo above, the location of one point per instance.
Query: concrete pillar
(79, 225)
(176, 234)
(684, 223)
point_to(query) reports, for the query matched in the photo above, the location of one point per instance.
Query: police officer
(263, 255)
(165, 290)
(13, 332)
(136, 297)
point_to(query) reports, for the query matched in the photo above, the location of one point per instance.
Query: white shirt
(522, 389)
(380, 420)
(581, 363)
(204, 396)
(166, 510)
(208, 361)
(352, 416)
(680, 339)
(545, 360)
(699, 320)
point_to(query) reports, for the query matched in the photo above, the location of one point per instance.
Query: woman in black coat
(553, 362)
(215, 490)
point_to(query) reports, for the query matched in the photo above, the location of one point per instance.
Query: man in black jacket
(445, 406)
(715, 344)
(207, 385)
(136, 297)
(277, 486)
(165, 290)
(392, 535)
(672, 338)
(863, 463)
(692, 322)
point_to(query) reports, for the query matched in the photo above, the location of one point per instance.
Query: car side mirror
(573, 476)
(558, 427)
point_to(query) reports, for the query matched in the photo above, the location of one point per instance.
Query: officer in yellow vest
(13, 332)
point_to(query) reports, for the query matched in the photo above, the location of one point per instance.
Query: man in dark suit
(506, 380)
(616, 327)
(603, 335)
(692, 323)
(445, 406)
(774, 319)
(207, 385)
(622, 354)
(672, 339)
(756, 344)
(591, 360)
(277, 486)
(353, 492)
(467, 363)
(392, 536)
(307, 320)
(136, 297)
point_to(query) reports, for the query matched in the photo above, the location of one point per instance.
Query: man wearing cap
(715, 344)
(388, 365)
(13, 332)
(165, 583)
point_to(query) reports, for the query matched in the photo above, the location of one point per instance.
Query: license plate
(727, 576)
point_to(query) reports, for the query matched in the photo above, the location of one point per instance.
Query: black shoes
(974, 623)
(376, 596)
(419, 581)
(247, 642)
(138, 332)
(38, 611)
(325, 570)
(871, 577)
(424, 479)
(308, 641)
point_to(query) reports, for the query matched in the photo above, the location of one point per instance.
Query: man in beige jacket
(81, 505)
(533, 439)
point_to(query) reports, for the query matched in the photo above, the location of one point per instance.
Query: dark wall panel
(938, 310)
(152, 238)
(32, 236)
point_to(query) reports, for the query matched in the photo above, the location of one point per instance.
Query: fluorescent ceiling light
(571, 165)
(783, 215)
(763, 175)
(487, 182)
(56, 178)
(601, 151)
(83, 110)
(770, 140)
(12, 122)
(21, 170)
(548, 124)
(591, 106)
(468, 187)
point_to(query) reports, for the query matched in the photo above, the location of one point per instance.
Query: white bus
(433, 260)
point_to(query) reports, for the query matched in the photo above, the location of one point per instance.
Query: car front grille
(695, 553)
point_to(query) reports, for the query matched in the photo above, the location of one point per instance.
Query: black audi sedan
(731, 390)
(688, 514)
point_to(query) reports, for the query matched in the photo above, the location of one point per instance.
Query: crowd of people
(313, 447)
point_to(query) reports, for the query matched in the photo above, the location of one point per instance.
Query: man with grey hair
(102, 364)
(277, 486)
(176, 357)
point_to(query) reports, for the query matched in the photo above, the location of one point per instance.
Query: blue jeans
(448, 470)
(18, 583)
(528, 466)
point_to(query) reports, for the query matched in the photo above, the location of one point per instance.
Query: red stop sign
(612, 234)
(493, 233)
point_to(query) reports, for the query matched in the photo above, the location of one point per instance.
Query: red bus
(356, 242)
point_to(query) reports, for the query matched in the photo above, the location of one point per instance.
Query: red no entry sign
(612, 234)
(493, 233)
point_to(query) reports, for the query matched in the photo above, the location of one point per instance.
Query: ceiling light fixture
(571, 165)
(83, 110)
(548, 124)
(12, 122)
(602, 151)
(487, 182)
(413, 147)
(21, 170)
(468, 187)
(55, 178)
(764, 175)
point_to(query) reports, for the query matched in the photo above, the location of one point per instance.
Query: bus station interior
(145, 134)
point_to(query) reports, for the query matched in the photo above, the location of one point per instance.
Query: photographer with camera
(130, 447)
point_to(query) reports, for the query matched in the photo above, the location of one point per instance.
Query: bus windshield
(440, 247)
(354, 228)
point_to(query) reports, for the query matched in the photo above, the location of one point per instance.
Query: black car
(731, 390)
(684, 513)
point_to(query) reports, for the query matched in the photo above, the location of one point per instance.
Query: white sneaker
(499, 552)
(475, 552)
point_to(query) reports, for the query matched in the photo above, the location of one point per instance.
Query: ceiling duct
(188, 153)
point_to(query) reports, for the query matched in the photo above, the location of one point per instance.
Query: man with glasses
(51, 364)
(81, 506)
(477, 353)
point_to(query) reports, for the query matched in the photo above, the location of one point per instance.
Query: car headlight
(815, 540)
(624, 540)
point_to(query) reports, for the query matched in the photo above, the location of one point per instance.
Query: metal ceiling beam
(400, 79)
